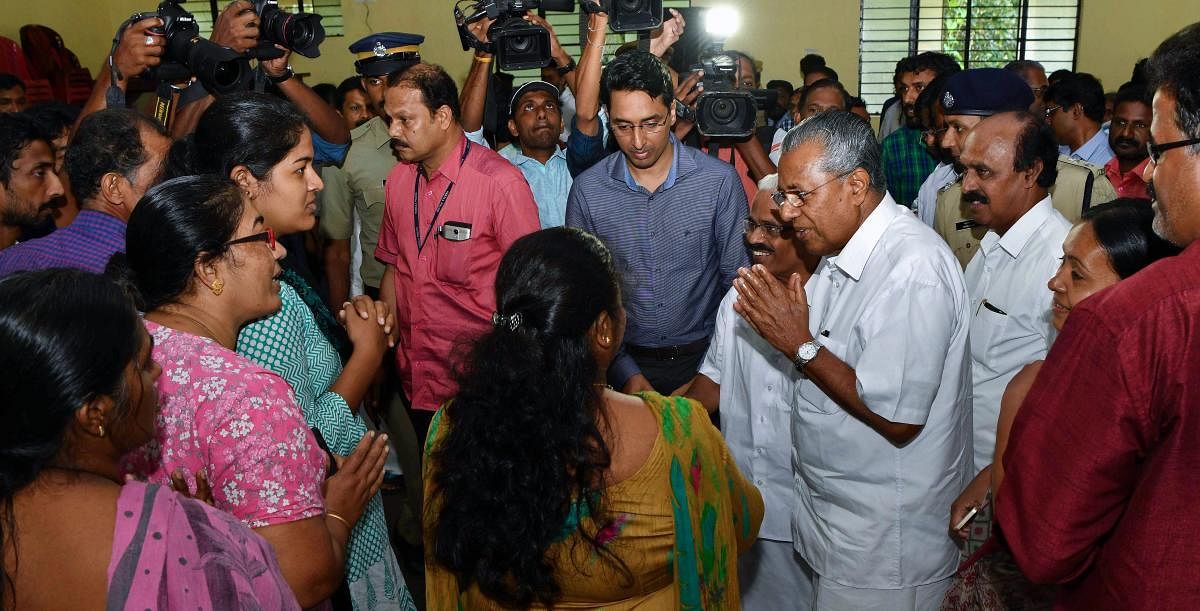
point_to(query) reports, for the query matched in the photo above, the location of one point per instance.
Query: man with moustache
(535, 119)
(881, 420)
(753, 384)
(354, 193)
(671, 213)
(29, 188)
(1108, 448)
(968, 98)
(117, 155)
(1009, 162)
(1128, 135)
(350, 99)
(905, 159)
(453, 208)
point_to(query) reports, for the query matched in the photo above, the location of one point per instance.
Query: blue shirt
(327, 153)
(1095, 151)
(87, 244)
(550, 183)
(678, 248)
(584, 151)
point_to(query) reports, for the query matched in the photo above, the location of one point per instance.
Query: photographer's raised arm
(138, 50)
(473, 98)
(324, 119)
(587, 80)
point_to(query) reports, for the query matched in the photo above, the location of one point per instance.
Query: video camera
(632, 15)
(722, 111)
(220, 70)
(300, 32)
(516, 43)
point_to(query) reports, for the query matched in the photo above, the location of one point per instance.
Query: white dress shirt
(926, 202)
(1095, 151)
(892, 306)
(756, 411)
(1012, 329)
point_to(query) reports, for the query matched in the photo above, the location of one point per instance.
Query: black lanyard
(438, 211)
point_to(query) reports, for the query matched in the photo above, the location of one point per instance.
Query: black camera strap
(114, 97)
(438, 211)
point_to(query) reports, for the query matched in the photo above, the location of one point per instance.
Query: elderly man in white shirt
(881, 426)
(1010, 161)
(752, 384)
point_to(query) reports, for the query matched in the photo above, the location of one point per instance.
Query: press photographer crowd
(641, 333)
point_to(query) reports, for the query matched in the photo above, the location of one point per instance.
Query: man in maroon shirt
(1101, 492)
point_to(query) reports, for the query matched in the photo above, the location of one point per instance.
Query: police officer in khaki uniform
(352, 213)
(969, 97)
(357, 189)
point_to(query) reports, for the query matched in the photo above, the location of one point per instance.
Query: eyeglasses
(749, 225)
(267, 236)
(1156, 150)
(1051, 110)
(795, 198)
(650, 127)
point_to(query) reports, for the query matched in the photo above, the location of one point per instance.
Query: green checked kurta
(290, 343)
(906, 164)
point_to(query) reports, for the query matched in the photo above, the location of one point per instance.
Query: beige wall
(1113, 34)
(778, 32)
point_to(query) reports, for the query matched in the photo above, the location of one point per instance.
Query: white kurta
(893, 306)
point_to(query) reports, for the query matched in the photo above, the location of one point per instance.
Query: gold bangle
(483, 60)
(335, 516)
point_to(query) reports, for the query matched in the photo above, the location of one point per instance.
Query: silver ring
(149, 41)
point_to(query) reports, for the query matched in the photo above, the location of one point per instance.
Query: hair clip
(512, 321)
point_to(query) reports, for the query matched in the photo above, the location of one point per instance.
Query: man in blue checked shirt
(672, 217)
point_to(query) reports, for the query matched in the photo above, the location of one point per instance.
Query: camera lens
(632, 6)
(723, 110)
(519, 44)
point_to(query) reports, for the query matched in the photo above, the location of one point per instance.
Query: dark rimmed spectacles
(1156, 150)
(267, 236)
(749, 225)
(796, 198)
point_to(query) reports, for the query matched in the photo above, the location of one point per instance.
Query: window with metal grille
(570, 26)
(978, 33)
(206, 12)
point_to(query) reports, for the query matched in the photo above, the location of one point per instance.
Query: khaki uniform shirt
(1078, 187)
(358, 188)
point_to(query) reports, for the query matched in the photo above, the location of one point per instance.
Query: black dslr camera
(219, 69)
(725, 112)
(300, 32)
(516, 43)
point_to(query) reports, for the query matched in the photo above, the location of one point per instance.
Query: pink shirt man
(444, 289)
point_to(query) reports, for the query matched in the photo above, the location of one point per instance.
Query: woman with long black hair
(545, 487)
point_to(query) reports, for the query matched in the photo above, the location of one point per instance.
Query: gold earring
(101, 427)
(218, 287)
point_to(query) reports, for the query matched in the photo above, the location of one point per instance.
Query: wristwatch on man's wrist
(288, 73)
(564, 70)
(806, 353)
